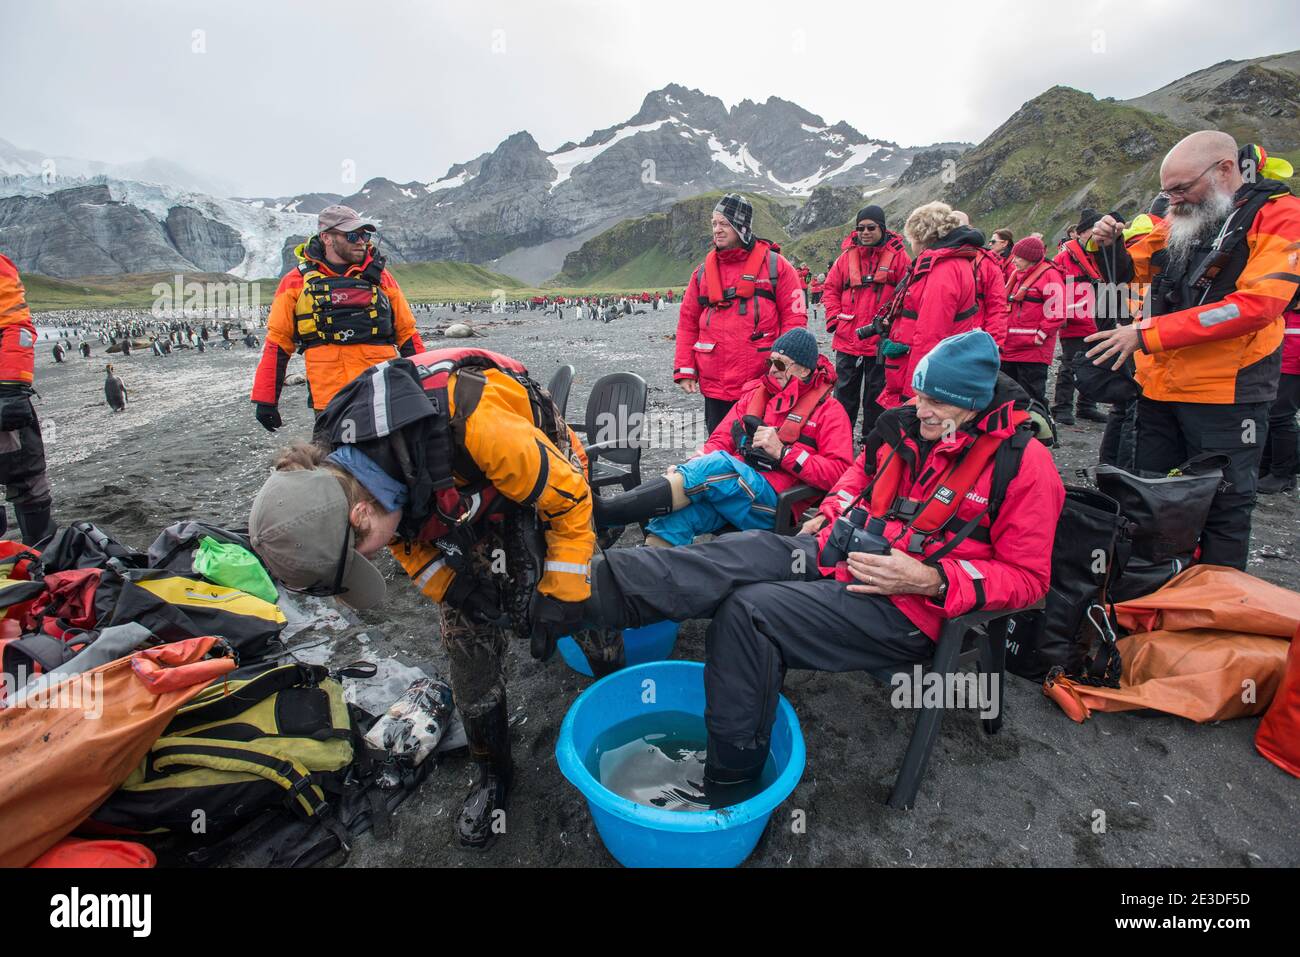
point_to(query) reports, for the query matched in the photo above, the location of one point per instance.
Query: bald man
(1208, 346)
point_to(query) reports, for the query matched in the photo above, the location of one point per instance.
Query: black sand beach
(1173, 793)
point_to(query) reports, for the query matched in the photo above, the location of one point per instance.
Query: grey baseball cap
(299, 527)
(343, 218)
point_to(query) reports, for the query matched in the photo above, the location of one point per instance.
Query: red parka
(719, 347)
(947, 293)
(1036, 315)
(824, 448)
(1080, 269)
(1009, 565)
(849, 308)
(1291, 344)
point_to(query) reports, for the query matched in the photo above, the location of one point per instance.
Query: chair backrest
(558, 387)
(616, 410)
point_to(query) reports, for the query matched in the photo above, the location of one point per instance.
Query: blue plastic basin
(651, 643)
(640, 836)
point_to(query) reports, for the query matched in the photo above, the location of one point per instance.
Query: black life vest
(1210, 272)
(342, 310)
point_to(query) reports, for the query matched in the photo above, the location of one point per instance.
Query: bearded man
(1222, 270)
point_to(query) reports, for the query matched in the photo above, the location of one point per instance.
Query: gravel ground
(1174, 793)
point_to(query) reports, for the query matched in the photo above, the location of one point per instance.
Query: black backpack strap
(269, 682)
(43, 650)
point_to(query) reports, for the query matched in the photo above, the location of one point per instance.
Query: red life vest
(718, 298)
(878, 276)
(926, 518)
(1030, 279)
(1082, 260)
(789, 430)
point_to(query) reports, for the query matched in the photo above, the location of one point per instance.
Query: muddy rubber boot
(648, 500)
(35, 522)
(603, 650)
(489, 746)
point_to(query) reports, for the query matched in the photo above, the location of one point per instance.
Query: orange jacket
(515, 456)
(17, 333)
(1199, 354)
(329, 366)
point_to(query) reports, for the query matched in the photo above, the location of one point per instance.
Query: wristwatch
(943, 588)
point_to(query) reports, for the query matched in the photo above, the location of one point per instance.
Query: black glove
(552, 619)
(269, 416)
(482, 606)
(16, 413)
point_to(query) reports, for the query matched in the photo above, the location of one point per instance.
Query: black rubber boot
(489, 746)
(603, 649)
(1090, 413)
(731, 774)
(648, 500)
(1276, 484)
(35, 522)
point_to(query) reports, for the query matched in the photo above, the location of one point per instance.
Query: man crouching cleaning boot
(461, 465)
(951, 507)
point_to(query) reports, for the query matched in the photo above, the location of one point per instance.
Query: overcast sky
(284, 91)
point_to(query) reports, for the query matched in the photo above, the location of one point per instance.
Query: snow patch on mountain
(565, 163)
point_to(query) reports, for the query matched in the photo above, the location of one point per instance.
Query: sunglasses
(869, 228)
(355, 236)
(778, 365)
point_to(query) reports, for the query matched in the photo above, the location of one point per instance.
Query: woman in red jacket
(883, 608)
(736, 305)
(1035, 291)
(951, 287)
(786, 429)
(859, 285)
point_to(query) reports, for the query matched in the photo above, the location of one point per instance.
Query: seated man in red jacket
(786, 428)
(781, 602)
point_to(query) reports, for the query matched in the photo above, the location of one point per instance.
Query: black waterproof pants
(1169, 433)
(1032, 377)
(771, 611)
(715, 410)
(1063, 399)
(858, 381)
(1117, 441)
(1280, 452)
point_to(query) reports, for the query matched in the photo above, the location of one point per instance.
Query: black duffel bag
(1102, 383)
(1166, 514)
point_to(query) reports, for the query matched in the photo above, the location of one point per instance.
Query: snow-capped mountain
(515, 199)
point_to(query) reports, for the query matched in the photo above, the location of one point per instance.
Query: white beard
(1195, 225)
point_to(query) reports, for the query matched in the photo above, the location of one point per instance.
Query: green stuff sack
(892, 350)
(225, 563)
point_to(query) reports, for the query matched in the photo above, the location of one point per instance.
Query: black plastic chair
(612, 434)
(964, 640)
(787, 522)
(558, 388)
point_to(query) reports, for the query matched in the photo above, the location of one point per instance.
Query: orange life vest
(878, 276)
(717, 297)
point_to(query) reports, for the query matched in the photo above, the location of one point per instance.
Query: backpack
(266, 736)
(1088, 553)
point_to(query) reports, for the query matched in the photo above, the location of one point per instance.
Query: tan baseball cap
(299, 528)
(343, 218)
